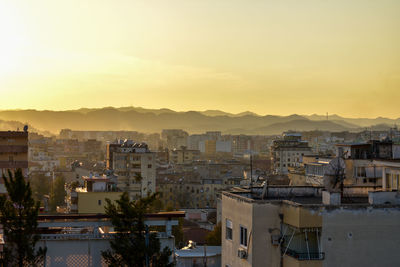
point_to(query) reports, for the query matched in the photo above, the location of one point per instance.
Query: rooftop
(310, 196)
(199, 251)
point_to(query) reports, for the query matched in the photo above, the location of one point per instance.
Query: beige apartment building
(183, 155)
(129, 160)
(305, 226)
(13, 153)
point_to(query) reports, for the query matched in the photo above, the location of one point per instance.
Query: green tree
(18, 215)
(214, 237)
(177, 232)
(134, 243)
(57, 195)
(40, 186)
(138, 179)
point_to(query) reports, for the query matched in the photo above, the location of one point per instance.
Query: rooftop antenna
(334, 174)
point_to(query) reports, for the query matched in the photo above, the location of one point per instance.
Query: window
(99, 202)
(149, 166)
(229, 230)
(243, 236)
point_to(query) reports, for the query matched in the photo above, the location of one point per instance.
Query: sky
(269, 57)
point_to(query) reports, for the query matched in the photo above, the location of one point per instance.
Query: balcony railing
(304, 255)
(13, 164)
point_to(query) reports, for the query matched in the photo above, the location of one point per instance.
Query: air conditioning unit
(242, 253)
(275, 240)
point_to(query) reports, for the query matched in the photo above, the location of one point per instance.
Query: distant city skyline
(268, 57)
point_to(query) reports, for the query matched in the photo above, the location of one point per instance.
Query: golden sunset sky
(270, 57)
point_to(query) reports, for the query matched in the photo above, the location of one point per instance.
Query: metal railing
(304, 255)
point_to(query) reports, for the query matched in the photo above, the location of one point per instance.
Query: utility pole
(251, 171)
(147, 242)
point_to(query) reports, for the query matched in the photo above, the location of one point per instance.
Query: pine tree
(134, 244)
(18, 215)
(57, 194)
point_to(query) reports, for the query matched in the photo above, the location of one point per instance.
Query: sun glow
(13, 41)
(265, 56)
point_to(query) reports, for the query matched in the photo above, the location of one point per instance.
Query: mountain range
(154, 120)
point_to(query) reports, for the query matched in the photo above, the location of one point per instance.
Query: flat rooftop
(302, 196)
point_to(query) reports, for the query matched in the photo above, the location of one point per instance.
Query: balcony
(13, 149)
(303, 256)
(13, 164)
(301, 217)
(301, 247)
(289, 261)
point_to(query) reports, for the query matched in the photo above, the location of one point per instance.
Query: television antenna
(334, 175)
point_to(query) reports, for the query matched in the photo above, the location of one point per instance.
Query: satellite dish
(334, 174)
(26, 128)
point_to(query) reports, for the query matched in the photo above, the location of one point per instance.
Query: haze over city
(200, 133)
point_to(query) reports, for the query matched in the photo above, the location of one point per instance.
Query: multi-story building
(288, 152)
(359, 159)
(306, 226)
(241, 143)
(91, 198)
(175, 138)
(135, 166)
(193, 195)
(183, 155)
(13, 153)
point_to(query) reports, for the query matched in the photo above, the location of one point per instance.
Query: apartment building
(13, 153)
(288, 152)
(174, 138)
(307, 226)
(129, 161)
(91, 198)
(183, 155)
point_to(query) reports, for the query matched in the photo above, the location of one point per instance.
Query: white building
(288, 152)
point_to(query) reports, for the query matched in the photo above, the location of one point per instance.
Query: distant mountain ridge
(154, 120)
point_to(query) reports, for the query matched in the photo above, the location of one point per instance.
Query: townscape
(236, 200)
(199, 133)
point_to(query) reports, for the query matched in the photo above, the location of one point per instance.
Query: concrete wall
(61, 253)
(301, 217)
(361, 237)
(297, 179)
(266, 222)
(261, 220)
(292, 262)
(240, 213)
(94, 202)
(85, 252)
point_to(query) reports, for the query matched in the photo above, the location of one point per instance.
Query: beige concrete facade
(94, 202)
(302, 231)
(182, 156)
(242, 213)
(128, 165)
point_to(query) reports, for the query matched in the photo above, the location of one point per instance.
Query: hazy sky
(270, 57)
